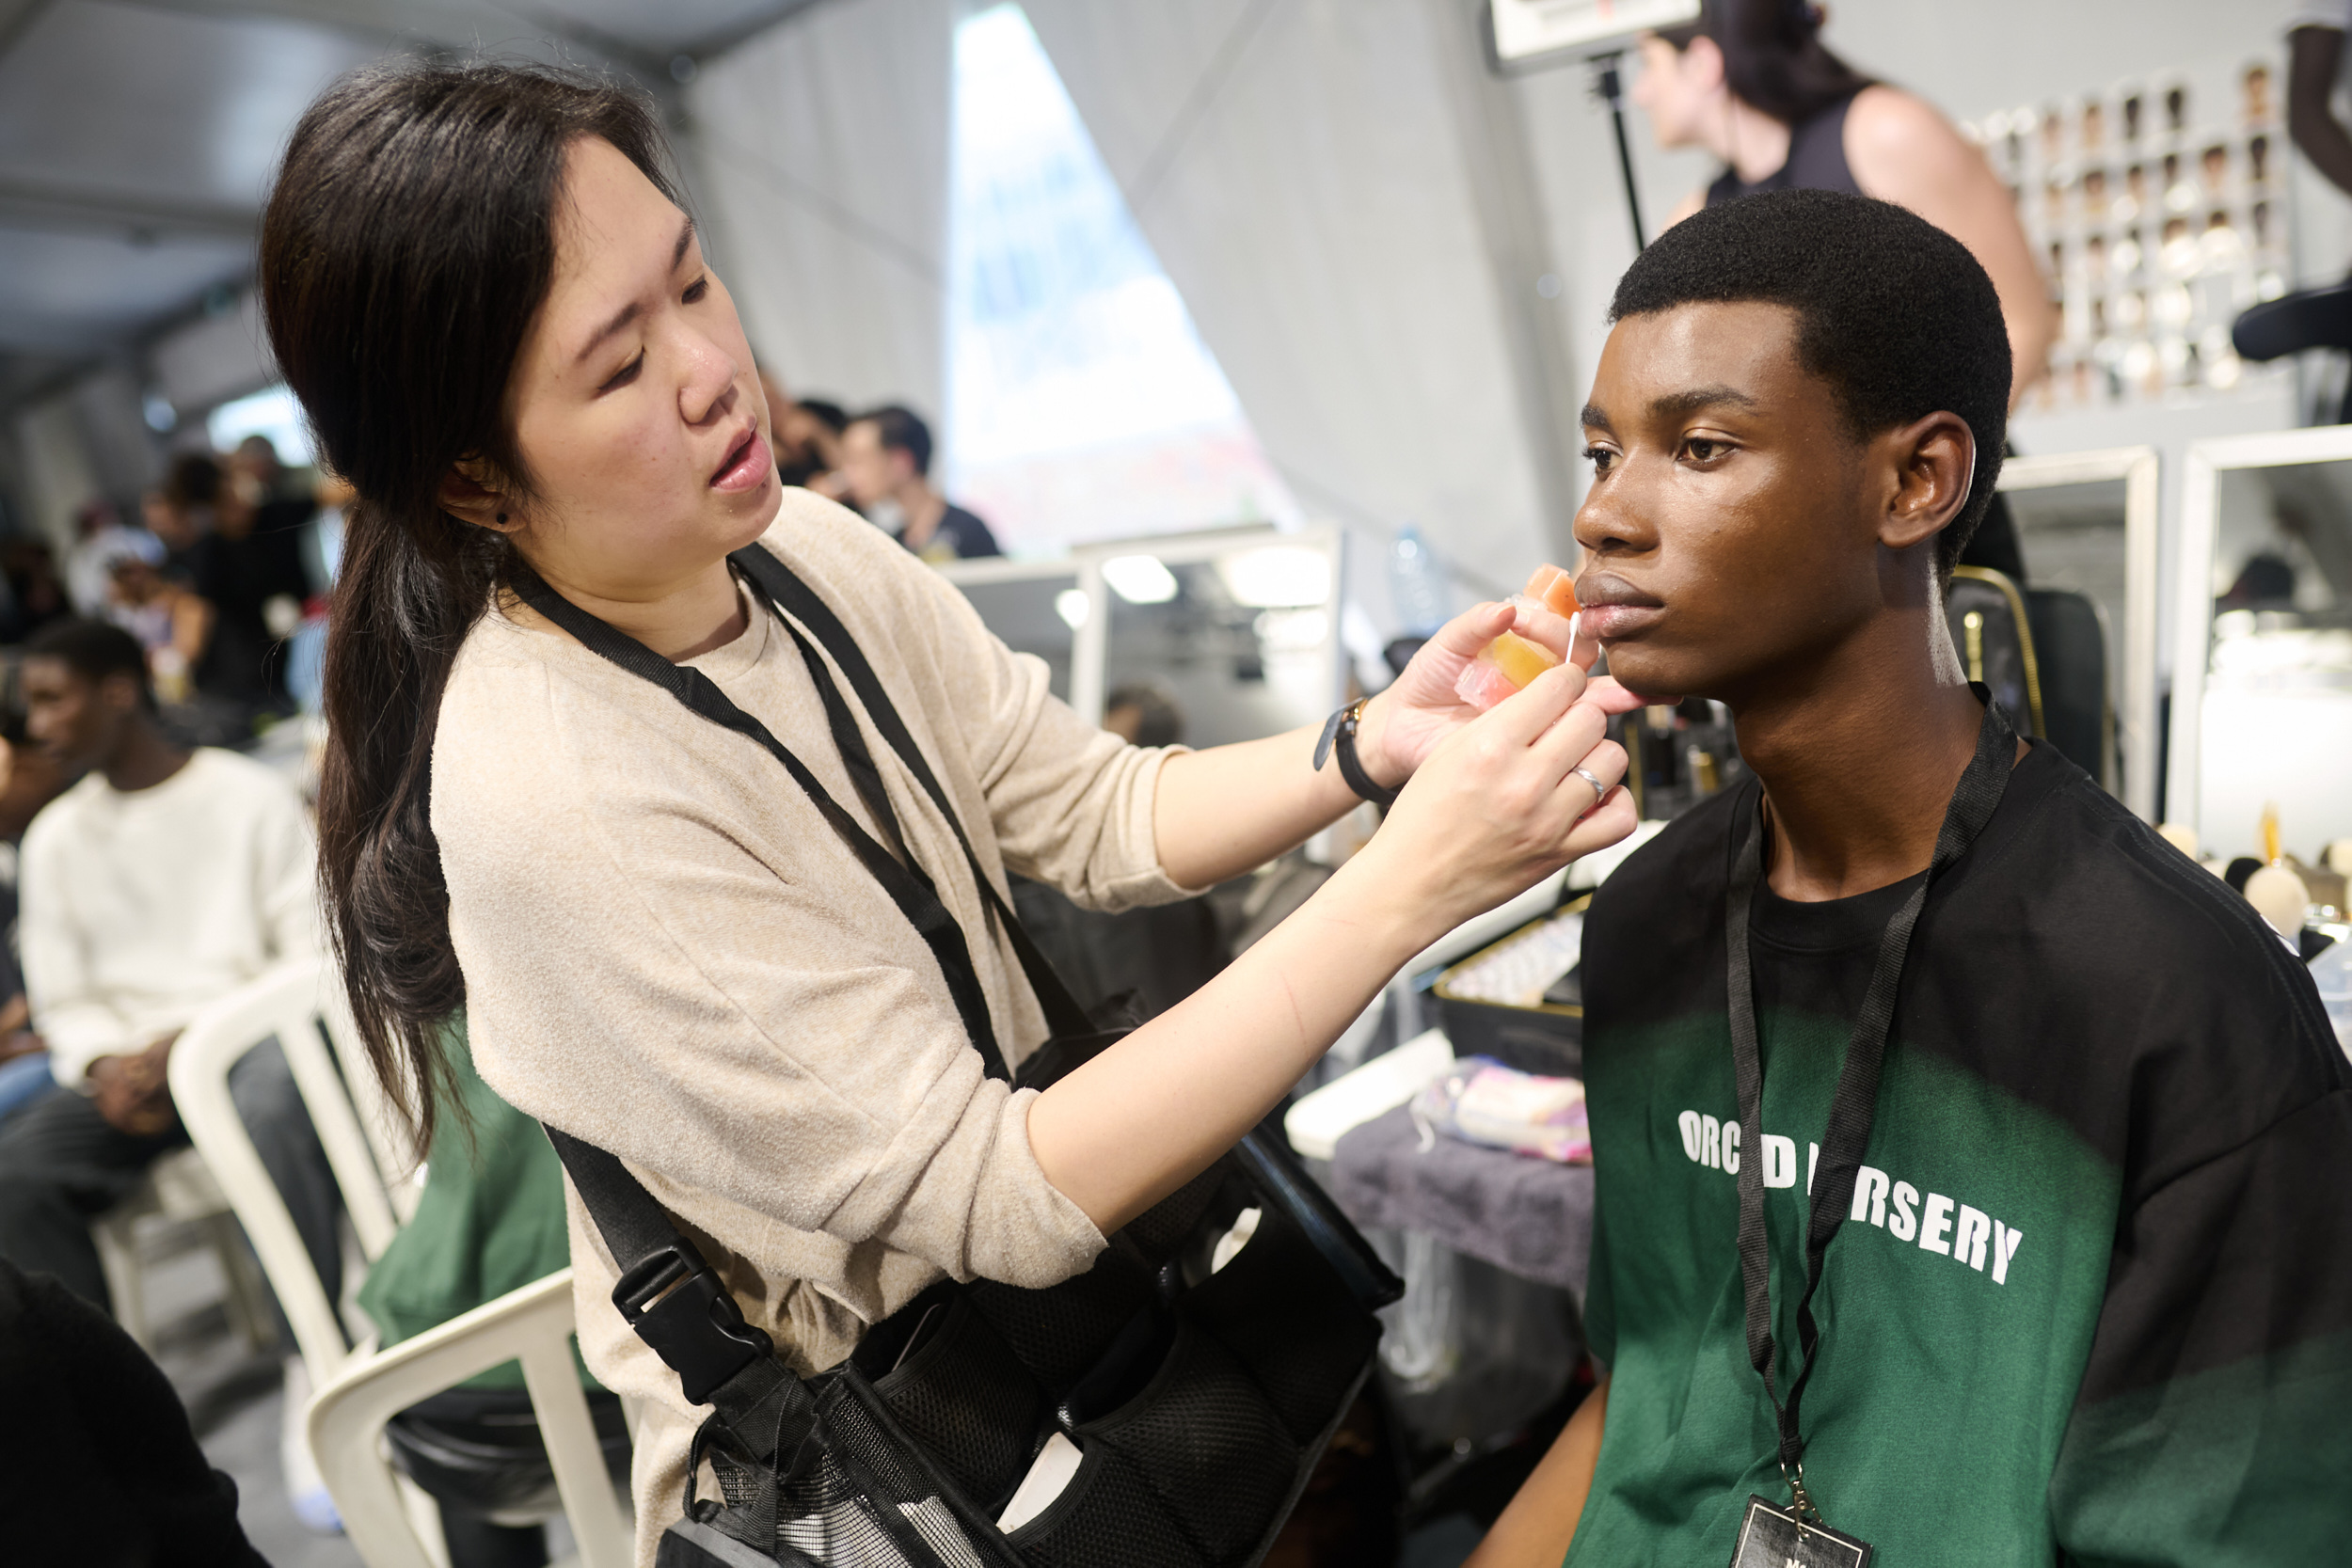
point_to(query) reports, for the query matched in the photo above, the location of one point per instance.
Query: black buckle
(677, 1305)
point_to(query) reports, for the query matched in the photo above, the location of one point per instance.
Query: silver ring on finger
(1599, 789)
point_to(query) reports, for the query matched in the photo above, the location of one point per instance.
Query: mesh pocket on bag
(1108, 1514)
(1160, 1231)
(864, 1501)
(1288, 1318)
(972, 1406)
(1058, 1332)
(1214, 1449)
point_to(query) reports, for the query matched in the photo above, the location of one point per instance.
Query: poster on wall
(1525, 30)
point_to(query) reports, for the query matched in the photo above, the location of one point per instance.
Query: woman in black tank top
(1750, 82)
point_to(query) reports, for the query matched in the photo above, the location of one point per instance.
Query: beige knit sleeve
(1071, 803)
(719, 998)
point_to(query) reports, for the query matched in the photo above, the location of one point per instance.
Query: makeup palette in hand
(1510, 661)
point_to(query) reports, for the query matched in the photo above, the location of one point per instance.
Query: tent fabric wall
(822, 152)
(1301, 168)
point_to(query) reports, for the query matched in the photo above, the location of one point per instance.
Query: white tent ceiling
(136, 136)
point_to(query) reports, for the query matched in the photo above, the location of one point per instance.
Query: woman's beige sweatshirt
(668, 953)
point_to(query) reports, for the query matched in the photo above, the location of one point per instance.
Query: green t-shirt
(490, 1220)
(2092, 1303)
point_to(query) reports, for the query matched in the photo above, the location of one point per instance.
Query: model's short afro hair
(1892, 312)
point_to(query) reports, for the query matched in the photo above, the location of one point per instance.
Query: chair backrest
(1994, 636)
(291, 1003)
(2069, 640)
(532, 1325)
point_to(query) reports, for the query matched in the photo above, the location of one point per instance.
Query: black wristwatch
(1338, 735)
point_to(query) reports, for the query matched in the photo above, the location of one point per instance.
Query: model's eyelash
(626, 375)
(696, 290)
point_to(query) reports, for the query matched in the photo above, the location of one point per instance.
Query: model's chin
(1656, 673)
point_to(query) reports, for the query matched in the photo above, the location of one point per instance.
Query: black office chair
(2044, 653)
(2307, 319)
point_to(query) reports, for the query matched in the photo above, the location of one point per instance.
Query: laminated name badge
(1772, 1537)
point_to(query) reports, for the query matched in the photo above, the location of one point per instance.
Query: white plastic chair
(177, 1188)
(288, 1003)
(376, 1170)
(532, 1325)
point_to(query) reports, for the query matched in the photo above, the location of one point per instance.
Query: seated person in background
(162, 881)
(1142, 713)
(490, 1220)
(885, 470)
(102, 539)
(808, 437)
(171, 622)
(2083, 1288)
(28, 781)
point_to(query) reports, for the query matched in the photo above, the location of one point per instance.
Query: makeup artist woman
(506, 336)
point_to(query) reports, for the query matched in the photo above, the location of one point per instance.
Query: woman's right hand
(1499, 805)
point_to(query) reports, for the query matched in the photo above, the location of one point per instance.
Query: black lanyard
(902, 876)
(1848, 1136)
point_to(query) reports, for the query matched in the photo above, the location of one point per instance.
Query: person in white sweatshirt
(163, 880)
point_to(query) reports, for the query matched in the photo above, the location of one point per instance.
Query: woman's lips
(748, 466)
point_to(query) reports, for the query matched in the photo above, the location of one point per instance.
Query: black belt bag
(1198, 1368)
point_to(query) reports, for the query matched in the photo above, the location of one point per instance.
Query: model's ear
(469, 493)
(1932, 462)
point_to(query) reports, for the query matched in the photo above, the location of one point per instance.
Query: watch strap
(1339, 737)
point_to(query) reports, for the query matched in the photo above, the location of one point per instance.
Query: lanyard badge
(1795, 1537)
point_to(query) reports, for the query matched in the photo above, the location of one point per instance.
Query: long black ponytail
(1774, 58)
(409, 243)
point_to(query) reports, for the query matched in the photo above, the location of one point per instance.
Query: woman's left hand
(1409, 720)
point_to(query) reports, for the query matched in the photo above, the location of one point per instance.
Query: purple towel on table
(1531, 1217)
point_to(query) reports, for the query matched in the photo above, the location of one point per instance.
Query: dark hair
(901, 429)
(1892, 312)
(1773, 56)
(94, 650)
(193, 480)
(826, 412)
(409, 244)
(1158, 720)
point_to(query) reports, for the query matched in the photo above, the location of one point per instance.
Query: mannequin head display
(1706, 84)
(2214, 166)
(2094, 195)
(2257, 85)
(500, 327)
(1795, 425)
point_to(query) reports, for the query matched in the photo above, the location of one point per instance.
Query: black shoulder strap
(908, 888)
(670, 1295)
(791, 597)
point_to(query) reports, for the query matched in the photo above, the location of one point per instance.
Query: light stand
(1609, 91)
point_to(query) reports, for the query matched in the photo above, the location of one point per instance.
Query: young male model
(2082, 1243)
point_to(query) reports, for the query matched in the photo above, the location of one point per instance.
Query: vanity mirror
(2262, 661)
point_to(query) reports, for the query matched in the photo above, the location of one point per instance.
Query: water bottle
(1417, 584)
